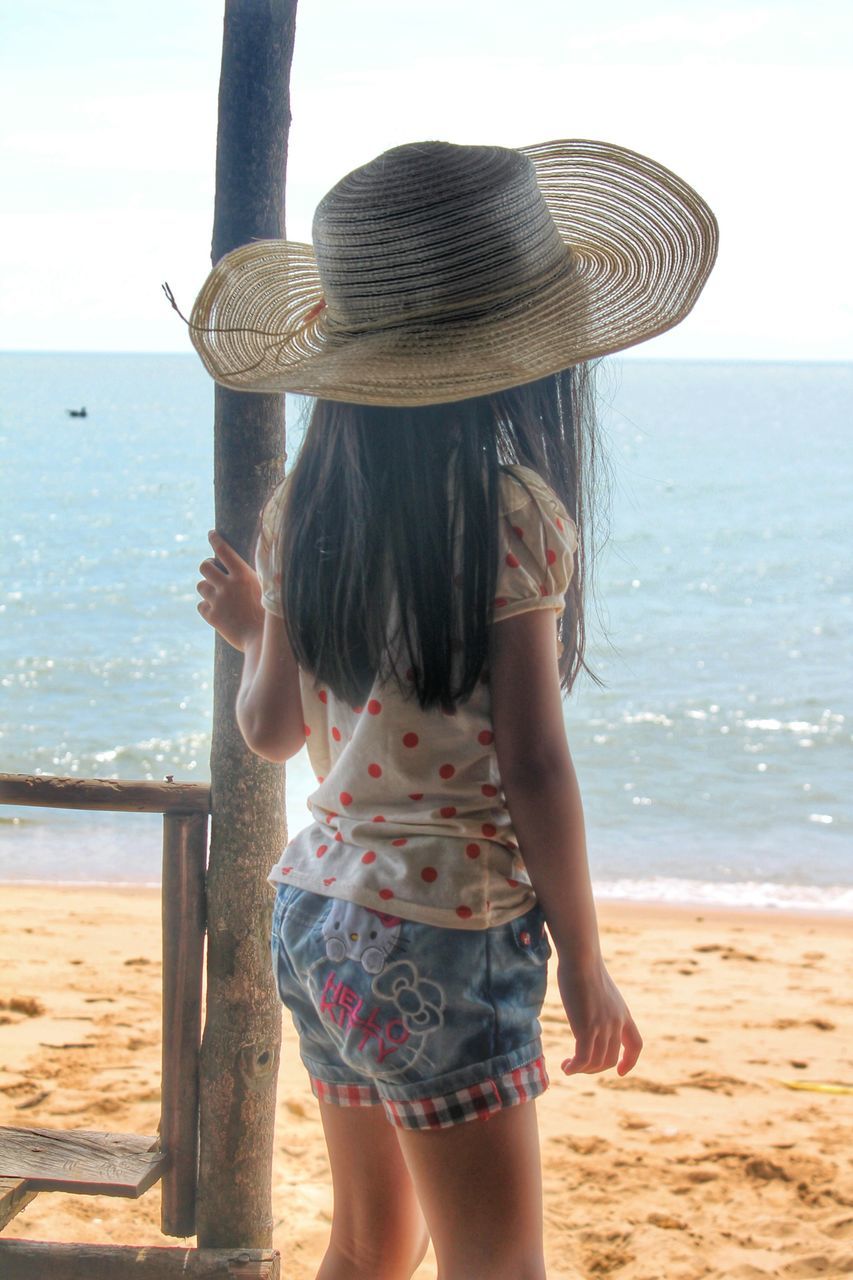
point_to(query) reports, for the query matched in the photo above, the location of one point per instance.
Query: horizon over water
(715, 762)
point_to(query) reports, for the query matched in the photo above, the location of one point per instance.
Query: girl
(416, 606)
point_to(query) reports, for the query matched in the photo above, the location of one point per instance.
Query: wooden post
(184, 857)
(240, 1047)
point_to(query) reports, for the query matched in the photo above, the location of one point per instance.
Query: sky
(107, 144)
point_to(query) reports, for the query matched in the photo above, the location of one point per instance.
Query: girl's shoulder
(523, 490)
(272, 508)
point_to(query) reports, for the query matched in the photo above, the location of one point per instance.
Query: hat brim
(640, 244)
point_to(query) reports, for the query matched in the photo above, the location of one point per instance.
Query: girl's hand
(599, 1019)
(231, 595)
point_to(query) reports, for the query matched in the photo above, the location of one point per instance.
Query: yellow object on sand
(816, 1086)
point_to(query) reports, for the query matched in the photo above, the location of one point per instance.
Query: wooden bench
(35, 1160)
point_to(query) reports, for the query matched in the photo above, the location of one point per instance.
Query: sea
(716, 757)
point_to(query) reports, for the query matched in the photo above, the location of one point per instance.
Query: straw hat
(441, 272)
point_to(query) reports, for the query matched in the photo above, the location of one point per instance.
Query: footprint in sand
(840, 1229)
(605, 1252)
(784, 1024)
(634, 1122)
(638, 1083)
(26, 1006)
(667, 1222)
(816, 1264)
(584, 1146)
(727, 952)
(716, 1083)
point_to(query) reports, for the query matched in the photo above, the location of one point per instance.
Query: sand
(702, 1162)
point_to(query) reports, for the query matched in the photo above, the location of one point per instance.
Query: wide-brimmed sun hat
(441, 272)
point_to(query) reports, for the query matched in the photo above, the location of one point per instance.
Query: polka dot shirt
(409, 814)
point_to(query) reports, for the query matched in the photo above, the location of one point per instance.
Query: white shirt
(409, 815)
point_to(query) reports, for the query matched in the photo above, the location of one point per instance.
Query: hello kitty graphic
(352, 932)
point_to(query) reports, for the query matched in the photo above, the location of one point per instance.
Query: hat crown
(431, 228)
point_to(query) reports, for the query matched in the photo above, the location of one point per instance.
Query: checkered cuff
(477, 1102)
(345, 1095)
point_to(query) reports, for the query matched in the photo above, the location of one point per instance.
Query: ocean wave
(762, 895)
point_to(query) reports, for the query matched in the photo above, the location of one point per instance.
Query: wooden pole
(184, 857)
(240, 1046)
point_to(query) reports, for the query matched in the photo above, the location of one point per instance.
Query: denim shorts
(439, 1026)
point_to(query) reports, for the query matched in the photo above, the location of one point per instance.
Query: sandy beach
(718, 1156)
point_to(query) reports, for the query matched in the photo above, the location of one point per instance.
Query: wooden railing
(185, 808)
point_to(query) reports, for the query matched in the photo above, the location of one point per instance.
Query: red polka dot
(358, 710)
(285, 871)
(378, 818)
(447, 771)
(416, 795)
(321, 849)
(500, 602)
(399, 843)
(331, 880)
(464, 913)
(374, 707)
(306, 729)
(410, 739)
(518, 531)
(488, 790)
(330, 813)
(374, 770)
(338, 837)
(319, 779)
(559, 523)
(386, 894)
(345, 798)
(429, 874)
(551, 556)
(485, 738)
(448, 811)
(336, 733)
(513, 884)
(524, 938)
(322, 695)
(512, 561)
(368, 857)
(472, 850)
(543, 589)
(488, 830)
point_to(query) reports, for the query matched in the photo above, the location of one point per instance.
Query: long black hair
(389, 538)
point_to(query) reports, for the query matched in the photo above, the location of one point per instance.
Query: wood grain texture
(104, 794)
(15, 1195)
(32, 1260)
(183, 914)
(88, 1163)
(242, 1033)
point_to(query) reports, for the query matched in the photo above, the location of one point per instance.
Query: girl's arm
(545, 806)
(269, 703)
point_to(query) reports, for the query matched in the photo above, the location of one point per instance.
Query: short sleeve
(267, 554)
(537, 544)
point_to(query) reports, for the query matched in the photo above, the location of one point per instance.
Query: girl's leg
(378, 1230)
(480, 1187)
